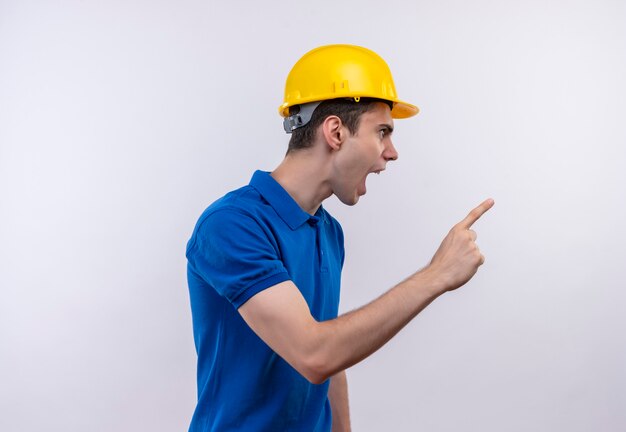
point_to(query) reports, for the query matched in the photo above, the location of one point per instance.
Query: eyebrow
(386, 126)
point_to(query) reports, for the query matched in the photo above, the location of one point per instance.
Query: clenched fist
(458, 256)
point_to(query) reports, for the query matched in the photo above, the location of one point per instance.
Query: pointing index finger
(475, 214)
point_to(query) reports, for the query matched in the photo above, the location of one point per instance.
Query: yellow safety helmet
(341, 71)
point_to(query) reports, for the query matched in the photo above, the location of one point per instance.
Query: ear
(334, 132)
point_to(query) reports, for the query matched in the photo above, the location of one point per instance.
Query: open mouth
(362, 189)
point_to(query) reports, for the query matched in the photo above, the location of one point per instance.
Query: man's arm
(319, 350)
(338, 395)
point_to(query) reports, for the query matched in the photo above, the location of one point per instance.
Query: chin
(349, 201)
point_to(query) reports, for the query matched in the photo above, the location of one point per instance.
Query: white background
(120, 121)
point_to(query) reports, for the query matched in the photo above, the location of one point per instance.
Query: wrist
(431, 281)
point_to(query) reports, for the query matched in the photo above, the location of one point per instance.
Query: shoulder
(243, 203)
(237, 216)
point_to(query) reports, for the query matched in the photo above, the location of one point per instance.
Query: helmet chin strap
(301, 117)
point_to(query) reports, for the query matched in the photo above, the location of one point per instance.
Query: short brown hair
(347, 110)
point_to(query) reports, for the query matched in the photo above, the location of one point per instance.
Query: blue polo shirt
(251, 239)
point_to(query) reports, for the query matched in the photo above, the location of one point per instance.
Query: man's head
(340, 102)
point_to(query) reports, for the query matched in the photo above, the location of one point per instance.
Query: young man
(265, 260)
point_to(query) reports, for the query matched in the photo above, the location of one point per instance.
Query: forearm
(354, 336)
(338, 395)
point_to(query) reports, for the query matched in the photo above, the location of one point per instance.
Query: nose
(390, 152)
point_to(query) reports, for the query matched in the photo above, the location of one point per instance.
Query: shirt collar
(280, 200)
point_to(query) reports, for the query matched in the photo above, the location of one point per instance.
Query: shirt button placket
(314, 222)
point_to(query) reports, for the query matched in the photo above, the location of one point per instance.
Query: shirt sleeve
(235, 256)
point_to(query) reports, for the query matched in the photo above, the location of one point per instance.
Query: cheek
(359, 160)
(373, 150)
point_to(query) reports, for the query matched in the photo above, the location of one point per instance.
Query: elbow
(315, 358)
(316, 369)
(315, 376)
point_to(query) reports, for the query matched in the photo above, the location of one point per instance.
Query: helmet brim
(402, 110)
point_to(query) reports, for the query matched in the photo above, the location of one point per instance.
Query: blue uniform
(249, 240)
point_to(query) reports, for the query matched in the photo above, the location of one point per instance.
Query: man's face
(365, 152)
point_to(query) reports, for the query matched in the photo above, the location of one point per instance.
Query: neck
(303, 174)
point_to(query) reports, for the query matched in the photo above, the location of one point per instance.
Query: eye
(382, 133)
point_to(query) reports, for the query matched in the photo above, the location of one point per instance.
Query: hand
(458, 257)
